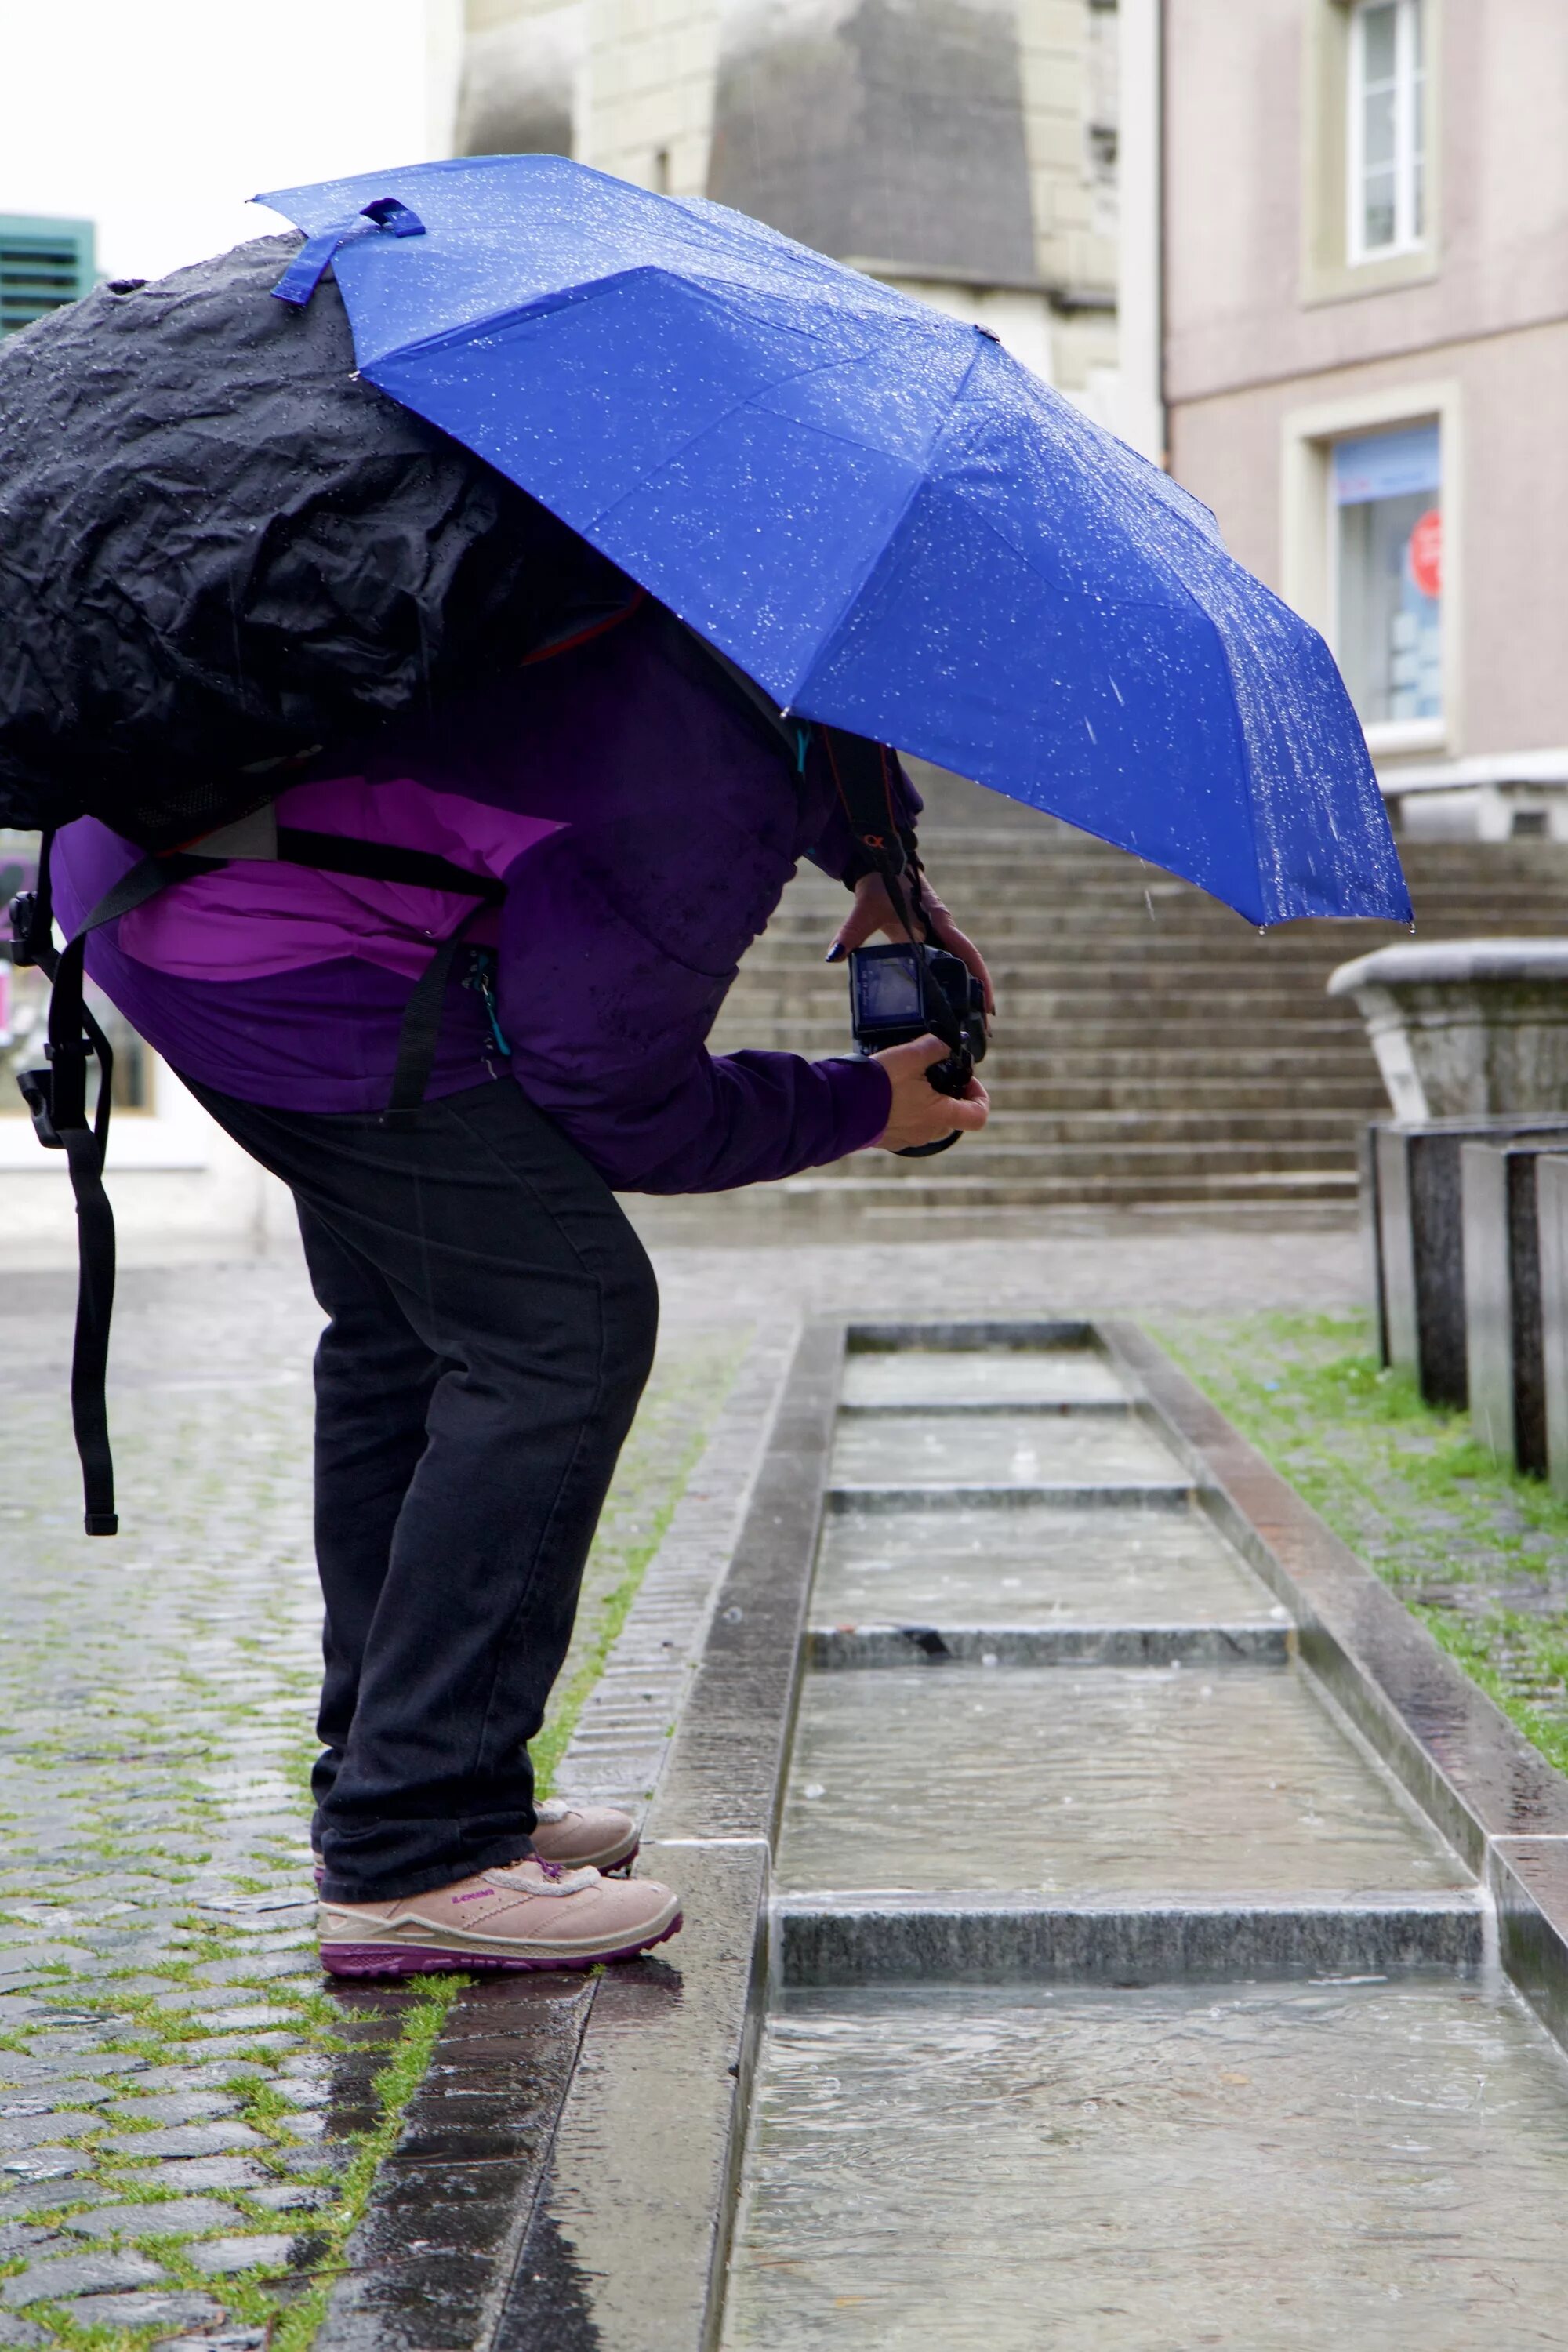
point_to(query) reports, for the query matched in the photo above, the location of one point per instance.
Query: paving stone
(21, 2331)
(23, 2237)
(57, 2282)
(291, 2197)
(20, 2132)
(304, 2090)
(228, 2339)
(47, 2164)
(212, 2172)
(180, 2217)
(245, 2045)
(184, 2308)
(184, 2139)
(221, 2257)
(200, 2078)
(174, 2108)
(48, 2196)
(249, 1965)
(260, 2015)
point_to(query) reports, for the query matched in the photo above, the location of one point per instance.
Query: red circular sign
(1426, 553)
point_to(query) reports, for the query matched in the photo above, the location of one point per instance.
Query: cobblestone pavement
(1121, 1266)
(188, 2119)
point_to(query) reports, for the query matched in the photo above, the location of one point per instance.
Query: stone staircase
(1151, 1051)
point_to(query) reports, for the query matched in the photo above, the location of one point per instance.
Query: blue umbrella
(884, 518)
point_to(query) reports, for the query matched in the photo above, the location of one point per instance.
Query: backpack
(220, 552)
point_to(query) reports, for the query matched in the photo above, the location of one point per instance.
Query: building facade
(963, 150)
(1364, 347)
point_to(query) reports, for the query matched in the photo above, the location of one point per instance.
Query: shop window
(1386, 130)
(1386, 568)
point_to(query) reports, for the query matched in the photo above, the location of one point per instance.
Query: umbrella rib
(890, 537)
(1024, 557)
(798, 375)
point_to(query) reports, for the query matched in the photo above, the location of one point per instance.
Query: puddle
(960, 1376)
(1001, 1449)
(1272, 2166)
(1103, 1780)
(1036, 1564)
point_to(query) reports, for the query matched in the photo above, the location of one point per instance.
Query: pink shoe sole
(389, 1961)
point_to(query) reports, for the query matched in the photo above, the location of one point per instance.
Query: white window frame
(1309, 524)
(1410, 78)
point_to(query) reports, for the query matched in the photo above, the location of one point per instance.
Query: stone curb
(629, 2236)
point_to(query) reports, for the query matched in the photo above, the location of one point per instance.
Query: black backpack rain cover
(218, 550)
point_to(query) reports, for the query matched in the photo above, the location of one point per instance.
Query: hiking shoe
(583, 1837)
(528, 1915)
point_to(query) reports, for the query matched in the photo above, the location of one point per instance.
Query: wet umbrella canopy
(871, 508)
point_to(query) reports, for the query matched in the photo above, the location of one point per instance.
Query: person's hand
(920, 1115)
(873, 911)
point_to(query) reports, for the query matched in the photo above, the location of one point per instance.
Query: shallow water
(1017, 1449)
(1091, 1781)
(1032, 1565)
(1382, 2168)
(961, 1376)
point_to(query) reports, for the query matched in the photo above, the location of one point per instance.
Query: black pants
(493, 1323)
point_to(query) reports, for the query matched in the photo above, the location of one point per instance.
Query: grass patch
(1475, 1549)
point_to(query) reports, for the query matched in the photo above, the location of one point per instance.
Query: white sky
(156, 118)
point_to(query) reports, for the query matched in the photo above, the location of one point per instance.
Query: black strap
(421, 1029)
(382, 861)
(73, 1036)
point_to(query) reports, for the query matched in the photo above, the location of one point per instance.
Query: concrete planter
(1413, 1206)
(1465, 1029)
(1503, 1301)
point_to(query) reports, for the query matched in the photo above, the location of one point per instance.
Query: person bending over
(491, 1313)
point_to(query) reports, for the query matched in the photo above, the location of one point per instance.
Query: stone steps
(1151, 1047)
(1116, 1976)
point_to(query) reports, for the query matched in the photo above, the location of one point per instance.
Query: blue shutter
(44, 264)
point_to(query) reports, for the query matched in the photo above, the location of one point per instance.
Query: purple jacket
(645, 823)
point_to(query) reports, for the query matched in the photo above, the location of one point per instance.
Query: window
(1387, 129)
(1386, 566)
(44, 264)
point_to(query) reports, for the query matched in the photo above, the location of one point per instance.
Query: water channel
(1038, 1676)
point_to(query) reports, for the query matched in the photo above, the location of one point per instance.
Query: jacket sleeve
(608, 1034)
(732, 1119)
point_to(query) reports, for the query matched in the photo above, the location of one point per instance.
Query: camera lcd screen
(886, 990)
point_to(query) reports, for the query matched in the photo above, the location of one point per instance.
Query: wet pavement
(188, 2112)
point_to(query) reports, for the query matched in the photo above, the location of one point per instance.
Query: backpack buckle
(37, 1088)
(24, 914)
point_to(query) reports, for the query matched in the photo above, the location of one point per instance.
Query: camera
(899, 993)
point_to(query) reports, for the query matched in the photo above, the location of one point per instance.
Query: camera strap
(862, 774)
